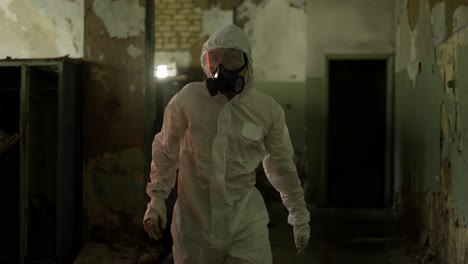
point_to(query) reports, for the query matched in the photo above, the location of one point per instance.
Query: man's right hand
(155, 219)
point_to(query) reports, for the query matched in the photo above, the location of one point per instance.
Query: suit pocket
(251, 131)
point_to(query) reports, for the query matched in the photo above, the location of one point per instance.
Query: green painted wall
(458, 149)
(431, 126)
(316, 110)
(417, 128)
(291, 95)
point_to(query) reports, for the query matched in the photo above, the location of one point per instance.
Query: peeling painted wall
(337, 27)
(278, 34)
(431, 139)
(41, 28)
(114, 125)
(423, 35)
(110, 36)
(423, 20)
(460, 18)
(122, 19)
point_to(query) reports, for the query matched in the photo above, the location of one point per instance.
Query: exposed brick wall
(178, 24)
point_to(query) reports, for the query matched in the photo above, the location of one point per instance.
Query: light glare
(161, 71)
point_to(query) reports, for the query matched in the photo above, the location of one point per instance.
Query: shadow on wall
(407, 157)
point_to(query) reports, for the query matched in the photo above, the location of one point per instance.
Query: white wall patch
(4, 5)
(460, 18)
(122, 19)
(215, 18)
(438, 23)
(134, 51)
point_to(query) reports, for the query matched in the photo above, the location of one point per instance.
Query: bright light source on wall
(163, 71)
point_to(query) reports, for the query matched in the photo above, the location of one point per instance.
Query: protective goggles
(231, 59)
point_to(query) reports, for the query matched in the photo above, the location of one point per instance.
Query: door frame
(389, 126)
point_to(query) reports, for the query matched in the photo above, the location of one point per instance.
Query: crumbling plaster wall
(277, 30)
(431, 136)
(110, 36)
(114, 118)
(336, 27)
(41, 28)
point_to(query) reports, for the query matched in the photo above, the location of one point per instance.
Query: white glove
(301, 237)
(155, 219)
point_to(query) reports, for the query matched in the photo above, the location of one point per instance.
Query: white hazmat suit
(216, 143)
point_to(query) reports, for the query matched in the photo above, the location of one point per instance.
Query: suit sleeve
(280, 168)
(165, 150)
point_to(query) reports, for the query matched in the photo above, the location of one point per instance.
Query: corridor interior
(374, 93)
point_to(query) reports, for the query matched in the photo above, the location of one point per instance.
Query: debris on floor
(94, 252)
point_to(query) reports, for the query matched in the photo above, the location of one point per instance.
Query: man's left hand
(301, 237)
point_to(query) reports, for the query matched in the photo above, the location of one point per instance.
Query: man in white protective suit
(216, 133)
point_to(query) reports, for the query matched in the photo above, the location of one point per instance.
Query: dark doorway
(10, 162)
(356, 133)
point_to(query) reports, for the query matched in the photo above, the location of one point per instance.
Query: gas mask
(224, 81)
(224, 66)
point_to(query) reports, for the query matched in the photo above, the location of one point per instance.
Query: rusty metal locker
(41, 170)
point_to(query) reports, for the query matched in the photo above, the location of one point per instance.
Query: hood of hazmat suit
(217, 144)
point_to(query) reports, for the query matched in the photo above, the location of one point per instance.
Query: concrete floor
(337, 237)
(344, 237)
